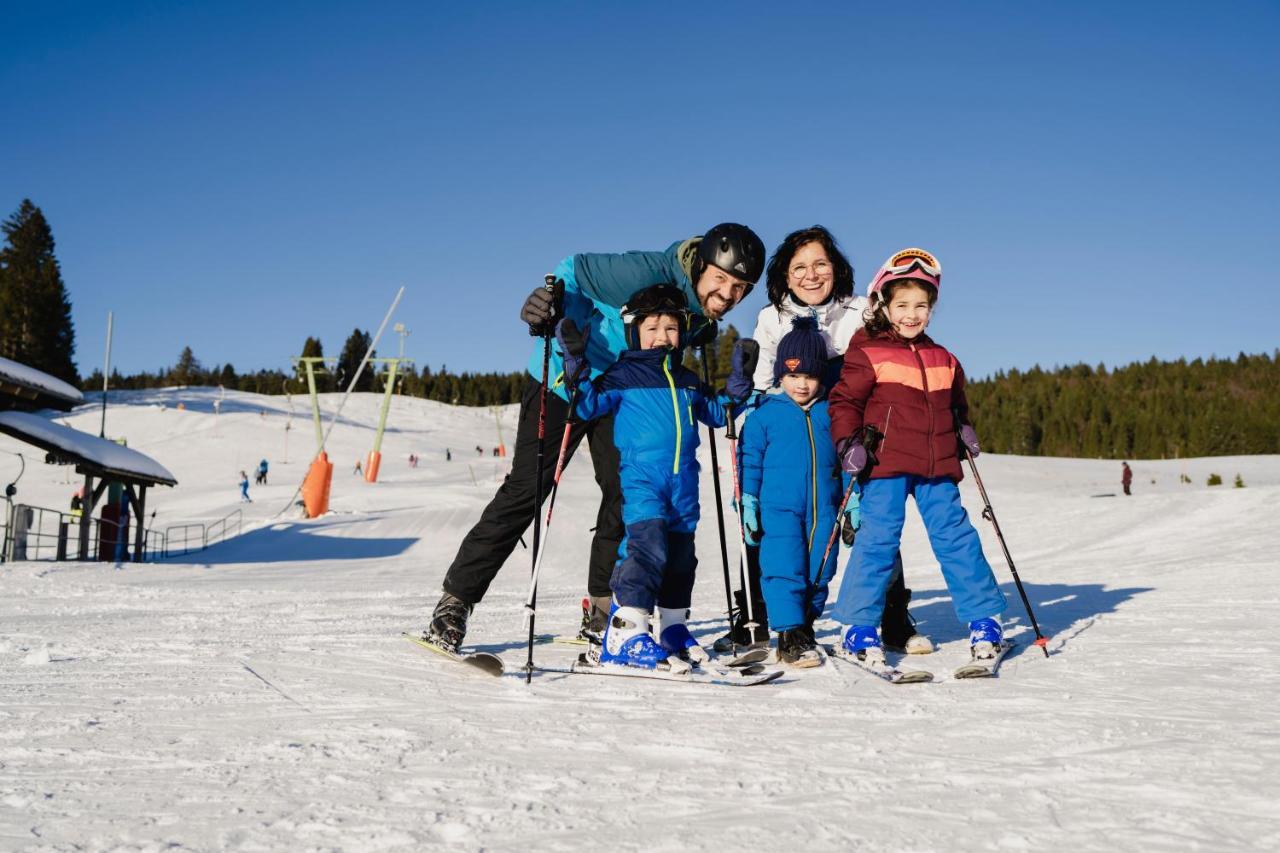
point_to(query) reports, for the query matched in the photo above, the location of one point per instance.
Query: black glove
(541, 309)
(847, 531)
(740, 384)
(573, 347)
(704, 335)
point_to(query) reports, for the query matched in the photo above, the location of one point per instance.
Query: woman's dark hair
(876, 320)
(780, 263)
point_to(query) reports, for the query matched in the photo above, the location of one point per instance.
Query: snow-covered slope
(257, 695)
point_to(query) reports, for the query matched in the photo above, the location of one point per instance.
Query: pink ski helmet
(908, 263)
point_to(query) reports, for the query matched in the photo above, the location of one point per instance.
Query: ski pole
(744, 569)
(724, 547)
(542, 448)
(835, 531)
(531, 600)
(990, 515)
(870, 440)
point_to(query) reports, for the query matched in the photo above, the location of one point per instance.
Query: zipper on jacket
(813, 471)
(924, 381)
(675, 411)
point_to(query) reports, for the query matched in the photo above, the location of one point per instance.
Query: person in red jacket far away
(1126, 477)
(896, 379)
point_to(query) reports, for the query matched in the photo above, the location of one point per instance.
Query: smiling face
(718, 291)
(810, 275)
(800, 387)
(659, 330)
(908, 310)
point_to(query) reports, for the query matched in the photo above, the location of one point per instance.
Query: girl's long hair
(780, 263)
(876, 317)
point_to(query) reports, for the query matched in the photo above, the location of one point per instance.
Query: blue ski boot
(985, 637)
(675, 638)
(627, 642)
(862, 642)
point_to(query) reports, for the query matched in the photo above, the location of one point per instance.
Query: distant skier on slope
(654, 401)
(714, 272)
(1126, 477)
(244, 488)
(912, 390)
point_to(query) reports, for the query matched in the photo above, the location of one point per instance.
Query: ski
(891, 674)
(984, 667)
(484, 662)
(733, 678)
(569, 640)
(744, 660)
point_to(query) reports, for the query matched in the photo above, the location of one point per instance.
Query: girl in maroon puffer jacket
(898, 380)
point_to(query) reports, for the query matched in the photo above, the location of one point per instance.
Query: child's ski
(891, 674)
(732, 678)
(983, 667)
(744, 660)
(480, 661)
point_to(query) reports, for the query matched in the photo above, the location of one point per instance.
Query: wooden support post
(140, 517)
(86, 506)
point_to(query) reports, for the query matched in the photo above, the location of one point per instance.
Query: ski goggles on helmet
(666, 299)
(908, 263)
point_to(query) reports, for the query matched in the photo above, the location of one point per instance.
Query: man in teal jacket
(714, 271)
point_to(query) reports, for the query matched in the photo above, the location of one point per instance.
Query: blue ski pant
(656, 561)
(974, 591)
(794, 583)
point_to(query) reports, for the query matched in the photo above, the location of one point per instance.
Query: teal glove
(751, 519)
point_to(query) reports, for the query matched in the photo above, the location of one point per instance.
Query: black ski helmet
(735, 249)
(656, 299)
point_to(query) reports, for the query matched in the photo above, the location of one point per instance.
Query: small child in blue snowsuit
(791, 491)
(657, 404)
(244, 488)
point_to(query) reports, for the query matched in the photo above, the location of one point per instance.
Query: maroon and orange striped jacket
(907, 390)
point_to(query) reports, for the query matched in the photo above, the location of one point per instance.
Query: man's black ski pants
(488, 545)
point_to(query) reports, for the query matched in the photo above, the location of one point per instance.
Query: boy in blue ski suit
(714, 271)
(791, 491)
(656, 404)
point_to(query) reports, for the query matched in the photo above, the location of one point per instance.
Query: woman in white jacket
(809, 275)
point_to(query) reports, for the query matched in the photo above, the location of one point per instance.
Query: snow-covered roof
(106, 456)
(31, 380)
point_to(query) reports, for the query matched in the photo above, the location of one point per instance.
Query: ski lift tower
(319, 479)
(375, 456)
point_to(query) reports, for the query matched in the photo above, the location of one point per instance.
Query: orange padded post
(315, 487)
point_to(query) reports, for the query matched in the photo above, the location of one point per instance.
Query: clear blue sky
(1099, 179)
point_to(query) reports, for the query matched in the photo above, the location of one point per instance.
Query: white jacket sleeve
(766, 335)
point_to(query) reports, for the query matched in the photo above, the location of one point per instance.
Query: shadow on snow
(292, 542)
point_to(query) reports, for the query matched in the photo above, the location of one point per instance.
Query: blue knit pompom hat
(801, 350)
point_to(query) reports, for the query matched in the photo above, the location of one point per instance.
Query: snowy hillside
(257, 695)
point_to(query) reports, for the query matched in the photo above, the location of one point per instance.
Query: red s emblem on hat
(792, 364)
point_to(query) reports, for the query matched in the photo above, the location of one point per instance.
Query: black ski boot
(738, 634)
(595, 616)
(797, 647)
(898, 628)
(448, 623)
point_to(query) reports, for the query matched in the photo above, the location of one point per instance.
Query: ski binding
(985, 666)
